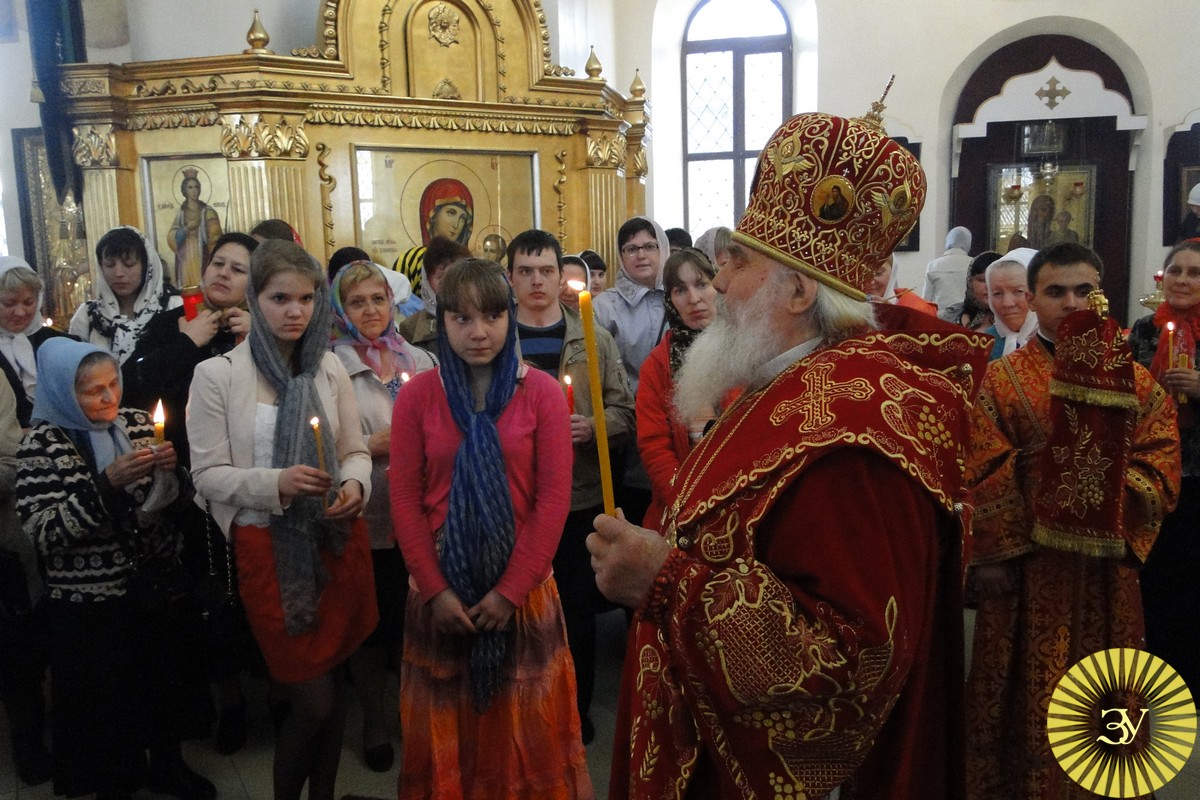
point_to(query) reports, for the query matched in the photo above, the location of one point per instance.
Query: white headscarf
(16, 347)
(104, 313)
(1014, 339)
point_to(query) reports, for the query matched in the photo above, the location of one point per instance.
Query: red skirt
(346, 610)
(525, 746)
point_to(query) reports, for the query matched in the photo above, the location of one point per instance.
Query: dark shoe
(231, 730)
(179, 780)
(380, 757)
(32, 760)
(589, 730)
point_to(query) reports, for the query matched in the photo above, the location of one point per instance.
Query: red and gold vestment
(1070, 598)
(806, 632)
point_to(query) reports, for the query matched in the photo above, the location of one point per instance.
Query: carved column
(108, 183)
(637, 114)
(606, 188)
(266, 153)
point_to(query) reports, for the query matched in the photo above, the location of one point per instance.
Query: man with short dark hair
(551, 337)
(1074, 460)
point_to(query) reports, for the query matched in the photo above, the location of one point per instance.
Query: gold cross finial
(875, 115)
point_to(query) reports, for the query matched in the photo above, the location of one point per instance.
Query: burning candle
(570, 394)
(316, 426)
(404, 377)
(593, 362)
(160, 424)
(1171, 344)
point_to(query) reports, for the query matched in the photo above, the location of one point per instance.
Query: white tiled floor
(247, 775)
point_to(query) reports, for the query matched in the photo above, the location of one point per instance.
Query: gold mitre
(832, 197)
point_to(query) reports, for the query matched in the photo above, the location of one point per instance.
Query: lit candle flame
(1171, 327)
(48, 322)
(315, 421)
(159, 417)
(577, 285)
(567, 380)
(404, 377)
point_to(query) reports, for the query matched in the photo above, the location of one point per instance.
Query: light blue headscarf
(58, 362)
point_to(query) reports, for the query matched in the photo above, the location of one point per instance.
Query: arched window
(737, 88)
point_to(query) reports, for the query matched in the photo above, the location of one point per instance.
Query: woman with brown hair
(278, 453)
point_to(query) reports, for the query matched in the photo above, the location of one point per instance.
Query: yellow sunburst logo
(1121, 723)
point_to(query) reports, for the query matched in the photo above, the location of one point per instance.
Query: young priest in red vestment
(1074, 460)
(798, 630)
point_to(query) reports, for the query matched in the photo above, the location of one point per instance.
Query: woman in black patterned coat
(95, 493)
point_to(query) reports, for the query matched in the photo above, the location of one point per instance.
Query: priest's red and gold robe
(806, 632)
(1066, 604)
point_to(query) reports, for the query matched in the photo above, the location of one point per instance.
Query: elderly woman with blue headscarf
(379, 361)
(481, 485)
(96, 494)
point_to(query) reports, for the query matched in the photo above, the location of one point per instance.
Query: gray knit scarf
(302, 532)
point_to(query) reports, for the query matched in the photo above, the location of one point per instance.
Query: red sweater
(661, 439)
(535, 436)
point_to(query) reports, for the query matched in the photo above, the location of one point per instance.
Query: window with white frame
(737, 88)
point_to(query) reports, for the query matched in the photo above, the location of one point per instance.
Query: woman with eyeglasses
(633, 312)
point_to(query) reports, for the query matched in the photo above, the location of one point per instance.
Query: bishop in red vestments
(798, 631)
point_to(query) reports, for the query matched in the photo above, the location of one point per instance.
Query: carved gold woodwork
(95, 146)
(263, 136)
(447, 76)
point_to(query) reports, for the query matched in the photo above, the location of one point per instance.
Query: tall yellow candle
(316, 426)
(160, 423)
(593, 362)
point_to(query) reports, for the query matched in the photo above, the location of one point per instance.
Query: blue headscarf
(480, 527)
(58, 362)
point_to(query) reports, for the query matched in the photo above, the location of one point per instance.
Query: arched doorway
(1044, 130)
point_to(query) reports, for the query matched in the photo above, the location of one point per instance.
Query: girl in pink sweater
(480, 487)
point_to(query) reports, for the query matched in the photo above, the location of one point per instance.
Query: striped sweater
(85, 536)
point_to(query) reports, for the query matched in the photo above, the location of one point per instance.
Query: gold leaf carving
(260, 138)
(606, 151)
(443, 25)
(74, 88)
(446, 90)
(368, 116)
(328, 48)
(178, 118)
(641, 163)
(328, 184)
(559, 182)
(95, 147)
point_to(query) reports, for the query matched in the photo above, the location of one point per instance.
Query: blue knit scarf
(480, 529)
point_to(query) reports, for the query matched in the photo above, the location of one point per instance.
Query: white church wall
(933, 47)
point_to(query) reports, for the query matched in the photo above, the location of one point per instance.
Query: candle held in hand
(570, 395)
(160, 424)
(316, 426)
(593, 362)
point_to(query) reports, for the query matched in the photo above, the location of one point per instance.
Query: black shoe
(589, 730)
(231, 730)
(380, 757)
(33, 761)
(179, 780)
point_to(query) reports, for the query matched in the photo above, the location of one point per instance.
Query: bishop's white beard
(730, 353)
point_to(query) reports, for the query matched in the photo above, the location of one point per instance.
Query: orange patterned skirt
(346, 611)
(527, 744)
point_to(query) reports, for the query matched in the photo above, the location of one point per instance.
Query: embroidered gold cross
(814, 403)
